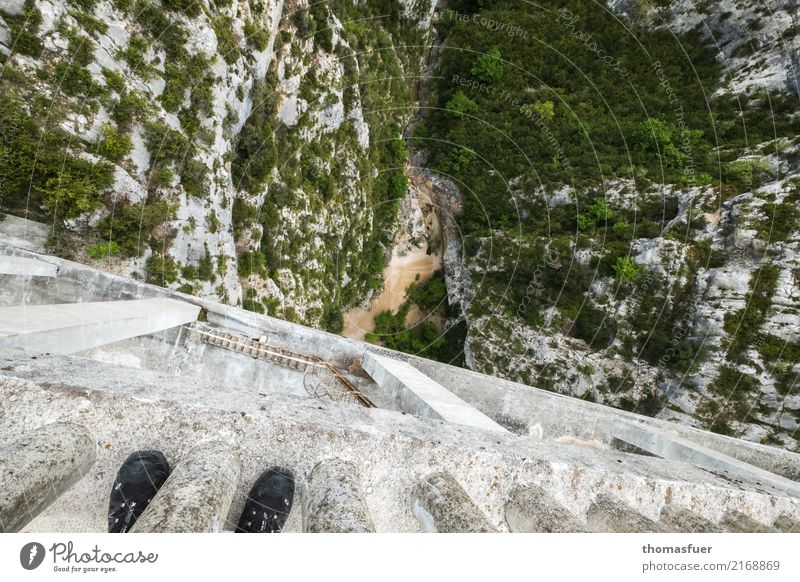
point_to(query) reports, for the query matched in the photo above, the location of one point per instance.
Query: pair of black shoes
(144, 472)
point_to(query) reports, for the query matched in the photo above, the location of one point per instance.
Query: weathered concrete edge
(580, 418)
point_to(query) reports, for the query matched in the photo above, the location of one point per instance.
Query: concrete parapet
(531, 509)
(606, 515)
(332, 501)
(415, 393)
(685, 521)
(196, 496)
(25, 267)
(441, 505)
(37, 467)
(73, 327)
(128, 409)
(676, 448)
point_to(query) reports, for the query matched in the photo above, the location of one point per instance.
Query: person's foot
(269, 502)
(138, 480)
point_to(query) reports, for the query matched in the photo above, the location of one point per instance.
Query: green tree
(488, 67)
(460, 104)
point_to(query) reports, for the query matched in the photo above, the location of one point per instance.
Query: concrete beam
(675, 448)
(415, 393)
(606, 515)
(786, 524)
(20, 266)
(73, 327)
(37, 467)
(197, 495)
(332, 501)
(685, 521)
(531, 509)
(441, 505)
(737, 522)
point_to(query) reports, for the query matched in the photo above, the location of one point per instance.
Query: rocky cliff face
(717, 288)
(242, 148)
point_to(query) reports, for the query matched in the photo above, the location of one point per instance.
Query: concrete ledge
(514, 405)
(332, 501)
(21, 266)
(73, 327)
(37, 467)
(441, 505)
(415, 393)
(197, 495)
(675, 448)
(392, 451)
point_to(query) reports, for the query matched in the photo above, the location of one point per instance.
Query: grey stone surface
(531, 509)
(415, 393)
(332, 500)
(72, 327)
(25, 267)
(737, 522)
(38, 466)
(197, 495)
(23, 233)
(608, 515)
(686, 521)
(441, 505)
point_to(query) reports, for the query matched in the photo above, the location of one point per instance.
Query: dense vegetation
(584, 99)
(546, 112)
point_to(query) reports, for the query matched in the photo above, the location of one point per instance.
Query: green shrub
(131, 226)
(257, 37)
(744, 325)
(77, 189)
(545, 110)
(23, 29)
(626, 270)
(114, 81)
(255, 148)
(595, 327)
(114, 145)
(88, 22)
(488, 67)
(460, 104)
(227, 44)
(161, 270)
(103, 250)
(191, 8)
(252, 262)
(132, 106)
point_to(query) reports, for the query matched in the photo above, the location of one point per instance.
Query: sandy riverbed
(401, 271)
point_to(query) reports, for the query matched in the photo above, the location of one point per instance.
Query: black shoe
(138, 480)
(269, 502)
